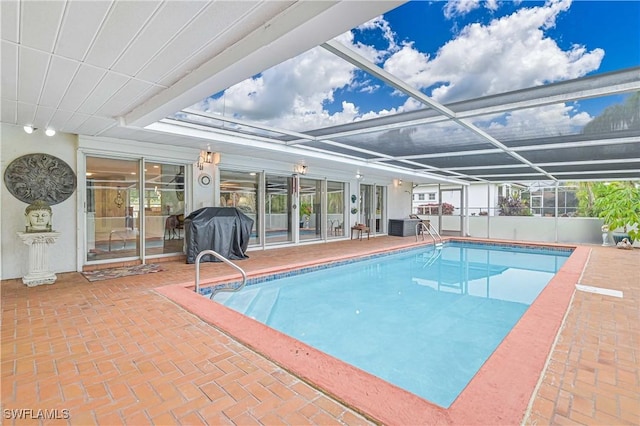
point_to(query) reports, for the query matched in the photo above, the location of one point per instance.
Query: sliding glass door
(380, 211)
(112, 208)
(310, 213)
(366, 205)
(335, 209)
(372, 207)
(116, 207)
(278, 217)
(240, 189)
(163, 203)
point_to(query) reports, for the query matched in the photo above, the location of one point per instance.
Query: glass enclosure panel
(310, 212)
(163, 203)
(567, 202)
(112, 208)
(335, 209)
(536, 204)
(240, 189)
(278, 224)
(549, 202)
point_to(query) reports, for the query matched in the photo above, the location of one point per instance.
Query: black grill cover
(225, 230)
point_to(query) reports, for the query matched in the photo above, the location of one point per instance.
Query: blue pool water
(423, 319)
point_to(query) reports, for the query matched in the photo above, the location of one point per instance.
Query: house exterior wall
(68, 216)
(67, 253)
(14, 253)
(399, 200)
(482, 197)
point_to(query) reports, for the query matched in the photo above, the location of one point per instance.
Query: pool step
(263, 305)
(255, 303)
(222, 296)
(240, 301)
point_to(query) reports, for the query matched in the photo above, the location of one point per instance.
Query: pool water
(423, 319)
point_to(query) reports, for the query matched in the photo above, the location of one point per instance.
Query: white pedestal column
(39, 244)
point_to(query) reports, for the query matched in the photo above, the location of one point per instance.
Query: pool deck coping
(499, 393)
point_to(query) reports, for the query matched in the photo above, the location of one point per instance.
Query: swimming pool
(423, 319)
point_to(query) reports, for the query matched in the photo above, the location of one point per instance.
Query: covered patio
(118, 352)
(144, 84)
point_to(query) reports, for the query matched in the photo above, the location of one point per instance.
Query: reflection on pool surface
(423, 319)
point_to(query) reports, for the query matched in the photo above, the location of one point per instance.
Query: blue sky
(451, 51)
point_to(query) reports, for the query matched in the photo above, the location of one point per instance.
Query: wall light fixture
(30, 129)
(301, 169)
(206, 157)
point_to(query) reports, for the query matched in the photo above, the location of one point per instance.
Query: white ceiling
(109, 68)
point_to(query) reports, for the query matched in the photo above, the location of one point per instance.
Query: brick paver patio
(117, 352)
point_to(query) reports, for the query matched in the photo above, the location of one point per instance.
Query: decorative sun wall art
(40, 177)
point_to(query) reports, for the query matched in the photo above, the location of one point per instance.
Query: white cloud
(297, 87)
(459, 7)
(293, 94)
(510, 53)
(379, 23)
(454, 8)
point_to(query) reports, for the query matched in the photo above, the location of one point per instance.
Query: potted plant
(618, 204)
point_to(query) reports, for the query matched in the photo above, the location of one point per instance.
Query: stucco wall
(399, 200)
(14, 253)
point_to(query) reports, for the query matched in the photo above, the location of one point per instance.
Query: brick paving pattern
(116, 352)
(593, 376)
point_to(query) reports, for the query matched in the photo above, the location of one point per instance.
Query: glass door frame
(368, 203)
(318, 209)
(83, 237)
(291, 205)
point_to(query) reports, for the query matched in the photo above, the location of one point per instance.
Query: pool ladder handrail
(421, 226)
(225, 260)
(435, 255)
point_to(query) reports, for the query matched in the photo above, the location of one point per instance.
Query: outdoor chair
(360, 228)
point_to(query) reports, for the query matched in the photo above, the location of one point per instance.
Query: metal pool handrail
(431, 230)
(225, 260)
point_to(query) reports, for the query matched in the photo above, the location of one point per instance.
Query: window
(432, 196)
(421, 197)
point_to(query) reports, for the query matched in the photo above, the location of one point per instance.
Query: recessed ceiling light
(49, 132)
(28, 129)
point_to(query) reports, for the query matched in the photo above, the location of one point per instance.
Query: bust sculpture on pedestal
(38, 236)
(38, 215)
